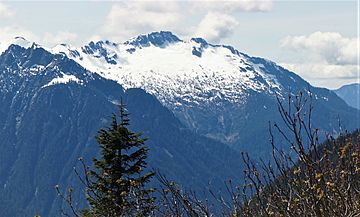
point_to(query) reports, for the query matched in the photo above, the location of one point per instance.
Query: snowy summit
(176, 71)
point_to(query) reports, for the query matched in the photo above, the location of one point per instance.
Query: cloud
(219, 21)
(52, 39)
(130, 18)
(231, 6)
(325, 75)
(215, 26)
(8, 33)
(5, 11)
(331, 47)
(185, 18)
(327, 59)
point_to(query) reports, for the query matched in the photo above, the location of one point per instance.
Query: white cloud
(185, 18)
(219, 21)
(8, 34)
(331, 47)
(5, 11)
(52, 39)
(327, 59)
(215, 26)
(130, 18)
(325, 75)
(231, 6)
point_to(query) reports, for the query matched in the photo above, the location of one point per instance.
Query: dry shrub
(314, 180)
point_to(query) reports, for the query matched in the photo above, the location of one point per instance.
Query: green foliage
(117, 183)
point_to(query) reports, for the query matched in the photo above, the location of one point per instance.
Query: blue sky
(316, 39)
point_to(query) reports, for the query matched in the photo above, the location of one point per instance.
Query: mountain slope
(50, 110)
(52, 101)
(350, 94)
(214, 90)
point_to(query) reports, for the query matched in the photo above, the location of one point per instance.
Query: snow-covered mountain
(50, 110)
(175, 71)
(215, 90)
(53, 100)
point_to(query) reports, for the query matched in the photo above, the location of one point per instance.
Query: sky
(316, 39)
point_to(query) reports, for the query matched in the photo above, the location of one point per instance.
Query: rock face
(350, 94)
(50, 111)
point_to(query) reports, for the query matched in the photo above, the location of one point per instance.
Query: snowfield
(173, 70)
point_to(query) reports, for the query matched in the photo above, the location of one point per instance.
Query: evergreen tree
(118, 182)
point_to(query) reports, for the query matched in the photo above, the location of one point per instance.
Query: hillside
(350, 94)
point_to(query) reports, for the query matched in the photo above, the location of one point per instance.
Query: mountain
(214, 90)
(350, 94)
(198, 103)
(50, 110)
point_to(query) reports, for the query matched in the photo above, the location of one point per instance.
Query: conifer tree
(118, 182)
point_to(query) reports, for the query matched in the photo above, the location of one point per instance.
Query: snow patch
(63, 80)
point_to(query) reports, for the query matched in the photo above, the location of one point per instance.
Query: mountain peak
(19, 41)
(99, 49)
(159, 39)
(102, 43)
(20, 38)
(22, 42)
(200, 41)
(201, 44)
